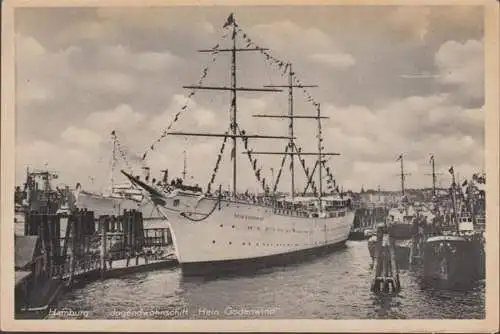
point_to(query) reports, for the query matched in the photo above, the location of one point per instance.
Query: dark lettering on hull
(247, 217)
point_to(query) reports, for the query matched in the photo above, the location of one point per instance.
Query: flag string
(253, 161)
(280, 64)
(215, 52)
(280, 170)
(217, 163)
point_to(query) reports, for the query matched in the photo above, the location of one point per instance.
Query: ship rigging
(212, 228)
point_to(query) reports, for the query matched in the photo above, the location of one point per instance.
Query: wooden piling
(385, 271)
(396, 284)
(102, 223)
(72, 259)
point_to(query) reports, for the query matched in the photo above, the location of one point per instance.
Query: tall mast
(113, 162)
(184, 169)
(433, 176)
(453, 196)
(402, 175)
(290, 126)
(320, 149)
(233, 102)
(233, 88)
(291, 118)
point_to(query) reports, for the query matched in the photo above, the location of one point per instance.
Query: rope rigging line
(217, 163)
(280, 64)
(331, 181)
(185, 215)
(215, 52)
(283, 68)
(306, 170)
(281, 169)
(253, 161)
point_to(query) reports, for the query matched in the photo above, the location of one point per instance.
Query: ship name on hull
(246, 217)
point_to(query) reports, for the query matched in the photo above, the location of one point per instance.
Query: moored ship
(118, 197)
(216, 230)
(456, 257)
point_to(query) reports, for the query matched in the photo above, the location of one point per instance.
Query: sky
(392, 80)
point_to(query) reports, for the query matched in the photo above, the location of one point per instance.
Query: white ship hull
(241, 231)
(113, 206)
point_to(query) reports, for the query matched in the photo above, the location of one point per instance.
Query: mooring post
(377, 265)
(385, 271)
(47, 221)
(102, 225)
(396, 285)
(72, 259)
(66, 241)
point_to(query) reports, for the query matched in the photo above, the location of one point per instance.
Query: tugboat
(456, 257)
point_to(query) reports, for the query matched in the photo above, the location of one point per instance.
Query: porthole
(213, 241)
(243, 244)
(232, 226)
(230, 243)
(221, 225)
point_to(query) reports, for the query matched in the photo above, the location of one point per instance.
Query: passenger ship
(216, 230)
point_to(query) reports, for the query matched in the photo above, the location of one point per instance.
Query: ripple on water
(335, 286)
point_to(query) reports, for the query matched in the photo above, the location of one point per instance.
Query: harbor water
(335, 286)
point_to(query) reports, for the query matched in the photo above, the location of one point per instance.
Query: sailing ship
(218, 231)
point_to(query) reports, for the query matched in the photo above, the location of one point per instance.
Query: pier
(91, 249)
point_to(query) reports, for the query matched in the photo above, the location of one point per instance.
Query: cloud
(410, 21)
(34, 63)
(335, 60)
(81, 137)
(371, 139)
(122, 57)
(461, 65)
(82, 73)
(317, 43)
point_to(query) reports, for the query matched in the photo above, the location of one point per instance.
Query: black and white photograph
(249, 161)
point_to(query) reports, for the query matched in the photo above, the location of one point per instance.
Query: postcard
(325, 166)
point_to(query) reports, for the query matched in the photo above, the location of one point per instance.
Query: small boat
(357, 233)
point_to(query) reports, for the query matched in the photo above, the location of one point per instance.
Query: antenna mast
(402, 174)
(320, 149)
(113, 161)
(184, 172)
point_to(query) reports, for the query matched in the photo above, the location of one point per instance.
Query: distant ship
(118, 198)
(215, 231)
(39, 193)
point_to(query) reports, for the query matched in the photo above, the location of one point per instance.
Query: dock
(47, 264)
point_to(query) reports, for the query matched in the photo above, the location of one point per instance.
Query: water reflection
(336, 286)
